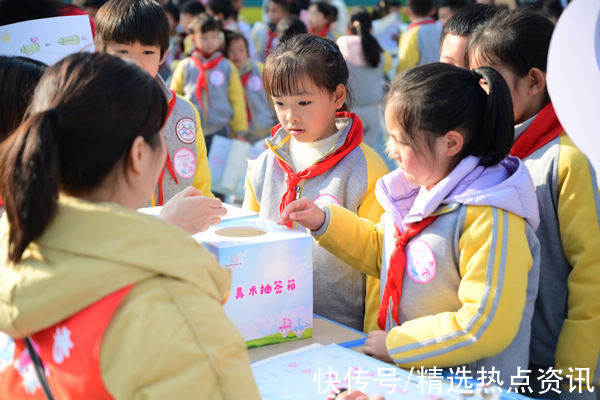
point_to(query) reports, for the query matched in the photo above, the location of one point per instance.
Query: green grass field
(277, 338)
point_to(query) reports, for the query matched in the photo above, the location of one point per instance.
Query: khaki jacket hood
(68, 268)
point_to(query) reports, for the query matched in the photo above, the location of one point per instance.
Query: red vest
(70, 352)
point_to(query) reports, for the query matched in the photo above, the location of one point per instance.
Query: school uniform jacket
(224, 103)
(566, 324)
(339, 290)
(469, 286)
(186, 149)
(420, 44)
(260, 113)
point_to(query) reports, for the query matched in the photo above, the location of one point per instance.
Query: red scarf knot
(201, 84)
(292, 178)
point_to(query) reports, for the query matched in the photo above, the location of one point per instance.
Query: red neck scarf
(161, 197)
(201, 84)
(271, 35)
(322, 33)
(425, 21)
(544, 128)
(393, 284)
(354, 138)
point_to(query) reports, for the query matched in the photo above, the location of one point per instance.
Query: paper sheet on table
(48, 39)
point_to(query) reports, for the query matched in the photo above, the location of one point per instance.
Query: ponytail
(432, 99)
(360, 24)
(29, 165)
(496, 126)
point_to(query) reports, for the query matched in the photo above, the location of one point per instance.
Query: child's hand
(305, 212)
(375, 346)
(191, 211)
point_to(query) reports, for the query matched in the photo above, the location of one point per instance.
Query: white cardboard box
(271, 298)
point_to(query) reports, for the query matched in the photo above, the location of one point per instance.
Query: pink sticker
(420, 261)
(254, 83)
(325, 199)
(217, 77)
(184, 163)
(186, 130)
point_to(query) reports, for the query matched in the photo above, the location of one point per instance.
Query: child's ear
(453, 143)
(536, 82)
(339, 96)
(164, 57)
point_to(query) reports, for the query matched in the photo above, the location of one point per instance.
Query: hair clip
(326, 43)
(356, 24)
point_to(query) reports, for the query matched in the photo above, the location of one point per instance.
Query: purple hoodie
(507, 186)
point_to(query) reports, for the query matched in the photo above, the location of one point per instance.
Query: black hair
(65, 144)
(18, 78)
(420, 8)
(518, 39)
(231, 36)
(13, 11)
(454, 5)
(305, 56)
(360, 24)
(467, 19)
(192, 7)
(205, 23)
(329, 11)
(291, 6)
(290, 26)
(432, 99)
(224, 7)
(90, 3)
(172, 9)
(128, 21)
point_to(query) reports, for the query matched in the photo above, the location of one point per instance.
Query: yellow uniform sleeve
(250, 202)
(387, 62)
(578, 215)
(239, 121)
(494, 260)
(408, 50)
(356, 241)
(372, 210)
(178, 78)
(202, 178)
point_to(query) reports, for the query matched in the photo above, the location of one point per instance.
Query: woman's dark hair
(18, 77)
(204, 23)
(305, 56)
(291, 6)
(12, 11)
(290, 26)
(432, 99)
(224, 7)
(518, 39)
(360, 24)
(129, 21)
(79, 128)
(329, 11)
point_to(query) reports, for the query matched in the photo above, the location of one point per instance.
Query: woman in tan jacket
(116, 304)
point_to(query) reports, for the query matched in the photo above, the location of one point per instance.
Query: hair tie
(477, 78)
(326, 43)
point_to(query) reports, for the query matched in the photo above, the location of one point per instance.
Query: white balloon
(573, 75)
